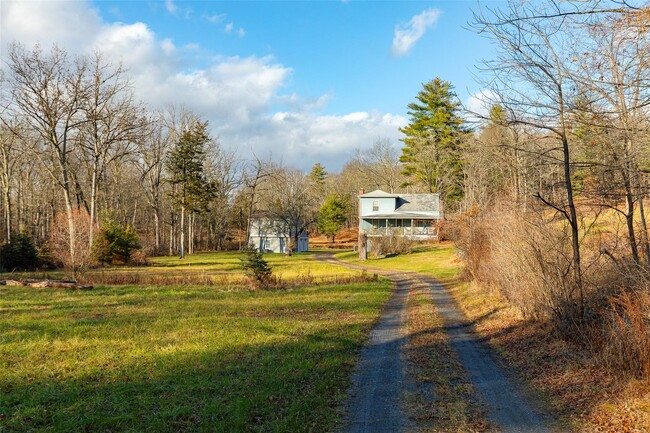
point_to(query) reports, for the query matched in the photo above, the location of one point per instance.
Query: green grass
(166, 359)
(221, 268)
(438, 260)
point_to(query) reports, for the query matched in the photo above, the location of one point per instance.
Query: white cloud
(238, 95)
(478, 105)
(406, 35)
(171, 7)
(303, 138)
(230, 28)
(214, 19)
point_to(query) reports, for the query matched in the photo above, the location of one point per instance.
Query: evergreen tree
(432, 147)
(115, 243)
(186, 167)
(332, 215)
(19, 253)
(318, 174)
(255, 267)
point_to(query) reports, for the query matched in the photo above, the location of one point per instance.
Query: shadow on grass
(284, 387)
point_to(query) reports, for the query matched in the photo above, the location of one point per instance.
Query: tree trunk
(7, 209)
(573, 221)
(181, 250)
(93, 200)
(71, 225)
(629, 214)
(156, 227)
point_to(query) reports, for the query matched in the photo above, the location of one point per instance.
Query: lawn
(438, 260)
(180, 358)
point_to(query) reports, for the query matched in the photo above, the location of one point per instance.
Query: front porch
(414, 228)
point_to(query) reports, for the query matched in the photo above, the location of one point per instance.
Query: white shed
(270, 236)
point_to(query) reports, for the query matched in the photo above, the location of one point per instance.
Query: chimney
(361, 191)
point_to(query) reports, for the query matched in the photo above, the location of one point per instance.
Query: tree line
(78, 152)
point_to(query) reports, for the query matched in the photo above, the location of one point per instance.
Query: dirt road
(381, 380)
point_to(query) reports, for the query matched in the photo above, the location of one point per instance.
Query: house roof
(418, 202)
(379, 194)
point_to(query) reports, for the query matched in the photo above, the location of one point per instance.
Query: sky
(302, 81)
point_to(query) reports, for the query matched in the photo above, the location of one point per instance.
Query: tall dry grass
(526, 258)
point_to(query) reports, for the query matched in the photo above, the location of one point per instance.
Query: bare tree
(530, 78)
(253, 175)
(613, 68)
(289, 200)
(48, 91)
(149, 158)
(381, 165)
(112, 123)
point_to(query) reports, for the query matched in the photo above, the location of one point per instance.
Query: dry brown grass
(586, 396)
(446, 401)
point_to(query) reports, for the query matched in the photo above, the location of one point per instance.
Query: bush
(59, 244)
(115, 243)
(627, 333)
(391, 244)
(20, 253)
(255, 267)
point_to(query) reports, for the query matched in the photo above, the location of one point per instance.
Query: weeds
(527, 260)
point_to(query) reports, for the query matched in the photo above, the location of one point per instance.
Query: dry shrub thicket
(393, 243)
(526, 258)
(59, 244)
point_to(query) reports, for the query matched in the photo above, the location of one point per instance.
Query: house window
(375, 206)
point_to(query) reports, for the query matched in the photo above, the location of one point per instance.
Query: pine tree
(186, 167)
(318, 174)
(432, 144)
(332, 215)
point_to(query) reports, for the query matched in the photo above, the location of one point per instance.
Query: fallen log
(11, 283)
(61, 284)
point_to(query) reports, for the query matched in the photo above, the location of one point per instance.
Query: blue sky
(331, 76)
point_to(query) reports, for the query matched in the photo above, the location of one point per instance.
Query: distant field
(438, 260)
(180, 358)
(205, 268)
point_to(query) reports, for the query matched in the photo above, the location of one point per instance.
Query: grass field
(181, 358)
(438, 260)
(205, 268)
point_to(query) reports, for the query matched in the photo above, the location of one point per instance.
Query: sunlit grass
(179, 358)
(221, 268)
(438, 260)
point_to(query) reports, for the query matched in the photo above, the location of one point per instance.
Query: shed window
(375, 206)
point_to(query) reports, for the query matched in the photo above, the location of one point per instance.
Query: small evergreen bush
(255, 267)
(115, 243)
(19, 253)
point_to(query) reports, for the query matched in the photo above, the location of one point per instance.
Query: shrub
(627, 333)
(115, 243)
(255, 267)
(391, 244)
(59, 244)
(19, 253)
